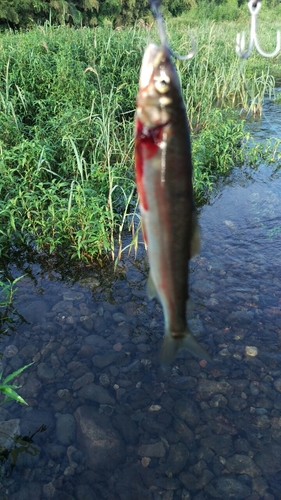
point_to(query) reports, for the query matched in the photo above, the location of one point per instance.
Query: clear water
(104, 420)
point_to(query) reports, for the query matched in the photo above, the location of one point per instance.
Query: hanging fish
(164, 182)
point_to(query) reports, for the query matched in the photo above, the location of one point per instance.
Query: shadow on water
(104, 420)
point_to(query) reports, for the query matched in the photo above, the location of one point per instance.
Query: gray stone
(203, 287)
(208, 388)
(83, 381)
(228, 487)
(277, 384)
(152, 450)
(65, 429)
(31, 387)
(222, 444)
(101, 444)
(27, 491)
(183, 383)
(28, 352)
(269, 459)
(49, 490)
(8, 430)
(45, 373)
(10, 351)
(101, 361)
(186, 435)
(33, 311)
(127, 428)
(236, 403)
(177, 459)
(33, 419)
(194, 483)
(242, 464)
(96, 341)
(188, 411)
(96, 393)
(85, 492)
(119, 317)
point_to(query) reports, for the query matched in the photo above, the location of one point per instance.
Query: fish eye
(162, 83)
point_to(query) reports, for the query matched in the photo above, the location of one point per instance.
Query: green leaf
(12, 395)
(16, 373)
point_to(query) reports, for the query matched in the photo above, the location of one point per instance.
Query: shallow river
(104, 420)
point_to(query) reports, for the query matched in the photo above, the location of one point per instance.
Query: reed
(67, 101)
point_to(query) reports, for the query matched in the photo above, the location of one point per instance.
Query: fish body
(164, 182)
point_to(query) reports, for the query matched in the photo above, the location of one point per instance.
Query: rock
(101, 361)
(101, 444)
(97, 393)
(65, 429)
(49, 490)
(194, 483)
(31, 387)
(177, 459)
(208, 388)
(269, 459)
(251, 350)
(45, 373)
(83, 381)
(96, 341)
(127, 428)
(236, 403)
(188, 411)
(186, 435)
(227, 487)
(9, 429)
(242, 464)
(33, 420)
(183, 383)
(10, 351)
(277, 384)
(28, 352)
(33, 311)
(152, 450)
(222, 444)
(85, 492)
(27, 491)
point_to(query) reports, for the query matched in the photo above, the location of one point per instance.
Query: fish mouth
(150, 132)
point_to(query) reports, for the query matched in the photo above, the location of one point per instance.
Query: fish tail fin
(172, 344)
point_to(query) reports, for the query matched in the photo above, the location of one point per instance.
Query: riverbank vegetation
(67, 101)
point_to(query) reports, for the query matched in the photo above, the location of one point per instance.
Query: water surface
(104, 420)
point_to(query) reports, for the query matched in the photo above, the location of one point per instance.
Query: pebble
(145, 461)
(65, 429)
(10, 351)
(96, 393)
(251, 350)
(155, 408)
(152, 450)
(105, 420)
(277, 384)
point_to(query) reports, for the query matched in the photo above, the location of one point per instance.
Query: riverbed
(104, 420)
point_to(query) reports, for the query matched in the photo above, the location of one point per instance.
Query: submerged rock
(100, 443)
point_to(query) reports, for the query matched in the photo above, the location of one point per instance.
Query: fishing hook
(155, 9)
(254, 8)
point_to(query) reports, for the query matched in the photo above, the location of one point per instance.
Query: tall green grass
(67, 100)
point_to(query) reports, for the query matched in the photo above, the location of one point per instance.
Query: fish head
(159, 88)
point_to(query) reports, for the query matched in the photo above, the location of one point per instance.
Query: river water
(104, 420)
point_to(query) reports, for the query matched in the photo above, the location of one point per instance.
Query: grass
(67, 101)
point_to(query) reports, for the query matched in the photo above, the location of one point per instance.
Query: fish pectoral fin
(151, 289)
(171, 345)
(195, 243)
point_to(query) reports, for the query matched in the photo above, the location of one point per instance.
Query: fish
(163, 171)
